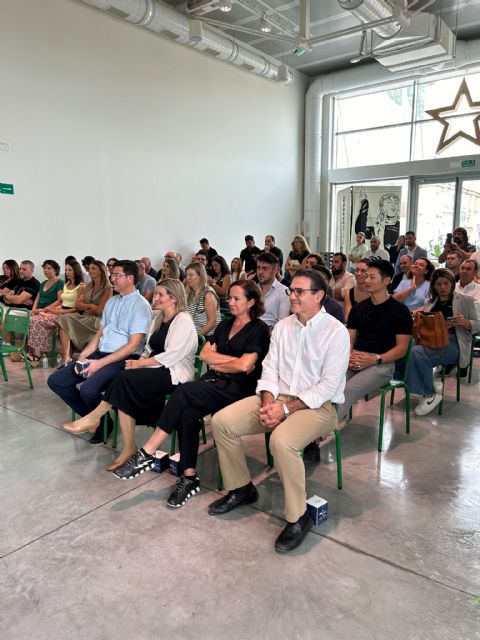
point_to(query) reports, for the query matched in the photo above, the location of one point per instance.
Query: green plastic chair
(16, 321)
(442, 377)
(390, 387)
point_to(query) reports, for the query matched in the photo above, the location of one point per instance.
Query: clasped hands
(361, 360)
(271, 414)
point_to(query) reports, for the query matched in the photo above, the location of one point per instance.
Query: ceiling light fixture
(225, 5)
(265, 26)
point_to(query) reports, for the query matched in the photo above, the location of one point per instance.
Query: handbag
(430, 330)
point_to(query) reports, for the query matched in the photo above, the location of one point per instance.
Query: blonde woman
(139, 391)
(297, 255)
(236, 270)
(202, 301)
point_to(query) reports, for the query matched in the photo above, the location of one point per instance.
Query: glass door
(439, 205)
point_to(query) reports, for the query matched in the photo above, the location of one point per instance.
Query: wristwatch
(285, 410)
(379, 359)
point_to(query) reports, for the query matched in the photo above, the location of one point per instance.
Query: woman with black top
(10, 278)
(462, 321)
(168, 360)
(221, 279)
(234, 356)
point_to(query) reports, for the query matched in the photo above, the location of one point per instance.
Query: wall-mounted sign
(468, 163)
(451, 130)
(6, 188)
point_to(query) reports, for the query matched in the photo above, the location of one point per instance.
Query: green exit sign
(6, 188)
(468, 163)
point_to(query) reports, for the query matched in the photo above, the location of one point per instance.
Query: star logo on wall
(454, 129)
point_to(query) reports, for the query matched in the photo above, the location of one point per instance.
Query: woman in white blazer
(168, 360)
(462, 321)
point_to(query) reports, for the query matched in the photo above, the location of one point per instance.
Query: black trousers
(192, 401)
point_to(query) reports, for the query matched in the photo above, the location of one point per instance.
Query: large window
(392, 125)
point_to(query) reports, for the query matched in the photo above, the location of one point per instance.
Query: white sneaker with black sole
(186, 488)
(428, 404)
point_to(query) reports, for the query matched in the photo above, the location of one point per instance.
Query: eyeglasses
(118, 275)
(298, 292)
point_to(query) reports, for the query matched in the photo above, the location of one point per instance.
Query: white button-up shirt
(471, 289)
(307, 361)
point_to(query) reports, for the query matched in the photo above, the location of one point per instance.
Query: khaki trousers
(287, 440)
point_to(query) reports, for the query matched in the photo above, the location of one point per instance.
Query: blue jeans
(86, 398)
(424, 359)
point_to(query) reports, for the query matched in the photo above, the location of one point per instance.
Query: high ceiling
(326, 17)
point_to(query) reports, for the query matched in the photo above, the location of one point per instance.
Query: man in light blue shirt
(124, 325)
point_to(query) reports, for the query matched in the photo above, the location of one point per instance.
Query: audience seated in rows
(234, 357)
(138, 392)
(25, 289)
(120, 336)
(76, 329)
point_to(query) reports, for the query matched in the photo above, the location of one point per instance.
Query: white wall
(123, 143)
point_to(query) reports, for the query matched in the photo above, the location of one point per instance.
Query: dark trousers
(190, 402)
(88, 396)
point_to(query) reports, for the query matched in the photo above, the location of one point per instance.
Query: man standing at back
(277, 304)
(410, 249)
(248, 256)
(125, 322)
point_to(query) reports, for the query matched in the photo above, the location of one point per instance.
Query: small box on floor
(175, 469)
(162, 461)
(318, 509)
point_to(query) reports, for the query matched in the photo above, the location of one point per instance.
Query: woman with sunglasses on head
(139, 391)
(234, 357)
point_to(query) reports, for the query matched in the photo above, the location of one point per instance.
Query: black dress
(214, 391)
(140, 393)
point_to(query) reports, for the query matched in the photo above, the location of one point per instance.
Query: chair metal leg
(173, 442)
(382, 419)
(407, 409)
(219, 479)
(27, 367)
(338, 451)
(392, 397)
(4, 370)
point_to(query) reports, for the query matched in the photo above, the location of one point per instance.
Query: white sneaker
(428, 404)
(438, 386)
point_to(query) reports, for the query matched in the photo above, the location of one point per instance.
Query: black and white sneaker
(186, 488)
(140, 462)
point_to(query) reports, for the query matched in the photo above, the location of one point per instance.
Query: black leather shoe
(293, 534)
(234, 499)
(97, 437)
(311, 453)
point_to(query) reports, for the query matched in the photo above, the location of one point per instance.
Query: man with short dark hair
(277, 305)
(459, 243)
(86, 262)
(210, 251)
(330, 305)
(125, 322)
(380, 329)
(23, 295)
(313, 259)
(376, 250)
(270, 247)
(249, 255)
(410, 249)
(454, 260)
(303, 376)
(341, 278)
(202, 257)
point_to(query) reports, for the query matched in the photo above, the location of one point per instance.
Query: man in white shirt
(375, 250)
(467, 284)
(277, 304)
(303, 376)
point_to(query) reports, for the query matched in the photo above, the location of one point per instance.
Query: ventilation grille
(169, 34)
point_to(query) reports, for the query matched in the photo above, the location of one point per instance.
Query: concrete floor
(84, 555)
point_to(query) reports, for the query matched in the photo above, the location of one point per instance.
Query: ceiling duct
(370, 10)
(163, 20)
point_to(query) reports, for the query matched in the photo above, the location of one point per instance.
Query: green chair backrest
(198, 362)
(17, 321)
(1, 316)
(406, 360)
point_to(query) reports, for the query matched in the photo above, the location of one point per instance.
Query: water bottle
(44, 361)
